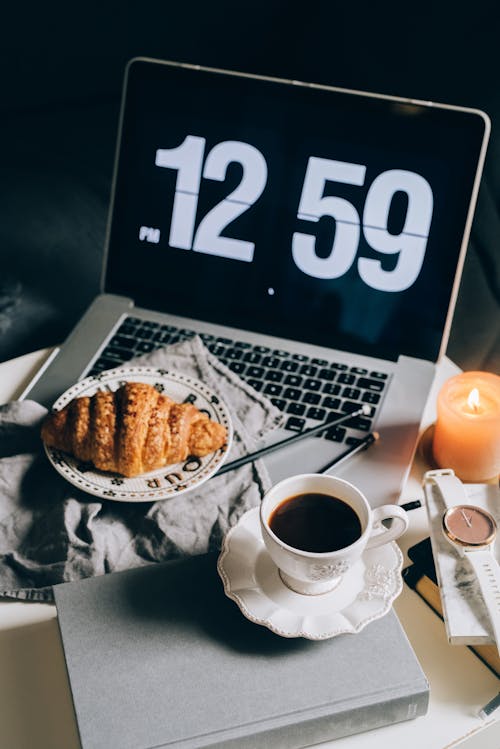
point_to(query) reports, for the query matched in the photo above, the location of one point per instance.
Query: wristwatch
(472, 531)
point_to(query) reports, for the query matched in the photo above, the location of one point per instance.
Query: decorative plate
(251, 579)
(164, 482)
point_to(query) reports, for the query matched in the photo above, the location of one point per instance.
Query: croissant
(132, 430)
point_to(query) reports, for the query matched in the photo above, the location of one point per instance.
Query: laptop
(312, 236)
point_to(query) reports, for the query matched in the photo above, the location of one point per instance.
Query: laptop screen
(300, 211)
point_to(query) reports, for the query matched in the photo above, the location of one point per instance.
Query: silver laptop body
(327, 224)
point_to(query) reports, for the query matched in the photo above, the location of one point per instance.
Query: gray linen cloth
(51, 532)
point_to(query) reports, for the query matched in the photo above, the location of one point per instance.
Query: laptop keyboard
(305, 389)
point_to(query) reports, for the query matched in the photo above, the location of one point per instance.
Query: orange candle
(467, 431)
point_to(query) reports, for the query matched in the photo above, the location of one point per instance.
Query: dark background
(61, 70)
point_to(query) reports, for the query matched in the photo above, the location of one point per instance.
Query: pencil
(356, 448)
(290, 440)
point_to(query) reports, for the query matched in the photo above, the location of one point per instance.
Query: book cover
(465, 615)
(421, 577)
(158, 656)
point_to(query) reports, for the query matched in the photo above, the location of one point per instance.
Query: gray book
(159, 657)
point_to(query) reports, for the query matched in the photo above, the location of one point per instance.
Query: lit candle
(467, 431)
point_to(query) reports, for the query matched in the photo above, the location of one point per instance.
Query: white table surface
(35, 702)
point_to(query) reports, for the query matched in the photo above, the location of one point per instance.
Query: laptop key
(255, 371)
(170, 328)
(279, 403)
(298, 409)
(144, 333)
(329, 402)
(289, 366)
(217, 349)
(127, 329)
(295, 424)
(292, 394)
(144, 347)
(103, 363)
(370, 397)
(339, 367)
(252, 357)
(300, 357)
(227, 341)
(122, 342)
(308, 370)
(335, 434)
(121, 354)
(293, 380)
(326, 374)
(242, 344)
(320, 362)
(312, 384)
(378, 375)
(367, 384)
(273, 376)
(261, 349)
(234, 353)
(349, 406)
(273, 389)
(347, 379)
(256, 384)
(318, 414)
(359, 370)
(351, 393)
(282, 354)
(331, 389)
(237, 366)
(270, 361)
(358, 422)
(311, 398)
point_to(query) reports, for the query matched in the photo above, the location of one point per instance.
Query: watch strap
(451, 488)
(487, 571)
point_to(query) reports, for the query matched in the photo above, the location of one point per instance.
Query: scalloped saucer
(251, 579)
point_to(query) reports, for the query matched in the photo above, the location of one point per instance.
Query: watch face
(469, 525)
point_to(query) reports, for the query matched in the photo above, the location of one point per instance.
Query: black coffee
(315, 522)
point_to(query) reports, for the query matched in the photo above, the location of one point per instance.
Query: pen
(364, 409)
(361, 445)
(490, 707)
(413, 505)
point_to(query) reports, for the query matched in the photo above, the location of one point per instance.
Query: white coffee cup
(312, 573)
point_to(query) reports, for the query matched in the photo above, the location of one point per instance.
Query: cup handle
(381, 534)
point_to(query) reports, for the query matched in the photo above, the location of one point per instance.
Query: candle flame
(473, 400)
